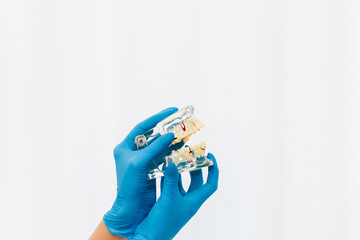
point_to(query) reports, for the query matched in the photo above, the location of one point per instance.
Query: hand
(175, 207)
(135, 193)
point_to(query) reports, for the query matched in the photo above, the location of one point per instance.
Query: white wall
(277, 84)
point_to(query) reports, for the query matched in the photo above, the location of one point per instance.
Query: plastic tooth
(188, 156)
(197, 152)
(176, 159)
(177, 132)
(196, 123)
(200, 150)
(199, 124)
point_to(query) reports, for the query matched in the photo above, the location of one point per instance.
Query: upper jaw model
(182, 123)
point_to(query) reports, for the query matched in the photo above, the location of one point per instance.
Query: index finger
(146, 125)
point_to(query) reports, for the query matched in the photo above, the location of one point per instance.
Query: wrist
(101, 233)
(116, 226)
(139, 237)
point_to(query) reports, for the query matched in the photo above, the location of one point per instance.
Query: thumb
(171, 178)
(160, 145)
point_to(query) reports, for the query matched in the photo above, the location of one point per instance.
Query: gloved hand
(135, 193)
(175, 207)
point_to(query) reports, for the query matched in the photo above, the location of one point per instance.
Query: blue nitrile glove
(135, 193)
(175, 207)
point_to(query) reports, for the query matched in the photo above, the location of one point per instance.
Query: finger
(163, 168)
(181, 188)
(159, 159)
(171, 180)
(155, 151)
(146, 125)
(196, 180)
(205, 191)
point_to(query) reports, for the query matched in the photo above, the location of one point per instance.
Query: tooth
(197, 124)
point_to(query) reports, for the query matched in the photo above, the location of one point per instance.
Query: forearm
(102, 233)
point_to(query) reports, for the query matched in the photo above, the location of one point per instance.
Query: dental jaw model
(183, 124)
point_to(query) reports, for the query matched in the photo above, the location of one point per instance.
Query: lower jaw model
(186, 160)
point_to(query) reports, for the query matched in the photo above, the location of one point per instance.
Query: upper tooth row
(191, 126)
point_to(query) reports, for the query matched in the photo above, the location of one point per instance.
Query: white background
(277, 84)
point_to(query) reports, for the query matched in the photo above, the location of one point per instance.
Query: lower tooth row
(187, 154)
